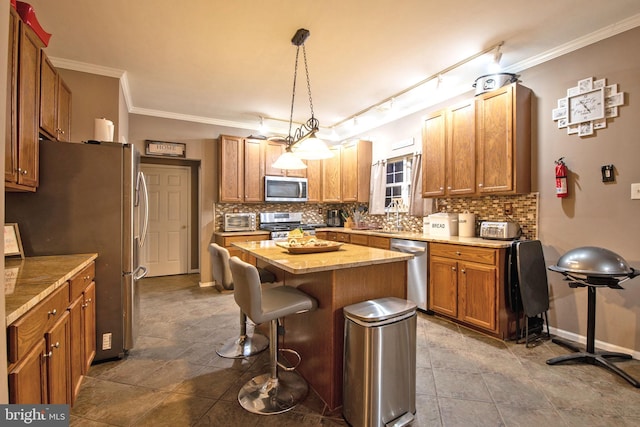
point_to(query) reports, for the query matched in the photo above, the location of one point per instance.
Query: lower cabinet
(466, 284)
(51, 347)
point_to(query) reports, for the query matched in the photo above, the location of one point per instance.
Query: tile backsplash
(524, 210)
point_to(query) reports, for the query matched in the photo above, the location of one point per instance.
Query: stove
(280, 223)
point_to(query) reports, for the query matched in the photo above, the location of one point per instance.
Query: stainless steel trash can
(379, 366)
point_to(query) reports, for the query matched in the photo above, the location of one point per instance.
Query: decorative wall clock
(588, 106)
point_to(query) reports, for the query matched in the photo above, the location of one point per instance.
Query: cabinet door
(349, 173)
(63, 112)
(231, 167)
(495, 148)
(28, 106)
(76, 346)
(273, 150)
(461, 150)
(58, 368)
(89, 326)
(434, 138)
(11, 128)
(48, 95)
(28, 379)
(477, 294)
(443, 286)
(253, 171)
(331, 186)
(314, 178)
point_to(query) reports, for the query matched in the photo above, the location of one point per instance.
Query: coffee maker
(334, 218)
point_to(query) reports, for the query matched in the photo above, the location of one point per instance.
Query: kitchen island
(335, 279)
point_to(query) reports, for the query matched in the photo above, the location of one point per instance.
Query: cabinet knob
(22, 171)
(56, 345)
(48, 354)
(449, 188)
(52, 312)
(458, 253)
(453, 269)
(480, 185)
(441, 188)
(463, 271)
(87, 278)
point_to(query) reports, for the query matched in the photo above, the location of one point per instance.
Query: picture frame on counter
(12, 241)
(165, 149)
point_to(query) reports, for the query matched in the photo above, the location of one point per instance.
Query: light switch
(635, 191)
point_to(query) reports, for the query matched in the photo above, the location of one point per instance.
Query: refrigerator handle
(145, 218)
(139, 273)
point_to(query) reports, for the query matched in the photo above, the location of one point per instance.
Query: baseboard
(599, 344)
(207, 284)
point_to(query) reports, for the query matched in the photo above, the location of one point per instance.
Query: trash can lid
(379, 309)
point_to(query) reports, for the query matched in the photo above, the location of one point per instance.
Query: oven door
(285, 189)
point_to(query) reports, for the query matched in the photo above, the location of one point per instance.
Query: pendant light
(304, 143)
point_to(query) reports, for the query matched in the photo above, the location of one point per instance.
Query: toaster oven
(500, 230)
(239, 222)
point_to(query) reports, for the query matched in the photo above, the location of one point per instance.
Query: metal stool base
(243, 346)
(269, 396)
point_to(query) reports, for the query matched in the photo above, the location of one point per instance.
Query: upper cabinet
(331, 175)
(231, 169)
(356, 171)
(481, 146)
(448, 150)
(504, 140)
(38, 101)
(55, 102)
(21, 150)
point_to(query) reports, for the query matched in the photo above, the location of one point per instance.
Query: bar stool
(274, 392)
(242, 345)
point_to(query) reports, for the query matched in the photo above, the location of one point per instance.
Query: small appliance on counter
(500, 230)
(334, 218)
(239, 221)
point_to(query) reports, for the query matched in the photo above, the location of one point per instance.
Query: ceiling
(231, 62)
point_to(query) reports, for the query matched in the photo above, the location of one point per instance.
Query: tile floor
(174, 378)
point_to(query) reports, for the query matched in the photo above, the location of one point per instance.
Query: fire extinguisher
(561, 178)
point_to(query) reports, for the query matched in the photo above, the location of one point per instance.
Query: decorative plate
(317, 246)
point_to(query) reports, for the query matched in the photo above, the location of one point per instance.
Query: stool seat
(269, 393)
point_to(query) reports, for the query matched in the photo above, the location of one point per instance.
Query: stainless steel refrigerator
(91, 198)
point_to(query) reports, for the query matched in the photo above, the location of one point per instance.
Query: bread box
(443, 224)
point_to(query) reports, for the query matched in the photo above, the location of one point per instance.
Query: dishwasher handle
(408, 249)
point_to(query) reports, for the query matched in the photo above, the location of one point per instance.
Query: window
(398, 183)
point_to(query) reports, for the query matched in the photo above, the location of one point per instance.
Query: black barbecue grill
(593, 267)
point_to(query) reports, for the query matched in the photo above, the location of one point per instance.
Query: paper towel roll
(466, 224)
(103, 130)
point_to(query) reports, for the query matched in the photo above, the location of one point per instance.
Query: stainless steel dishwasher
(416, 270)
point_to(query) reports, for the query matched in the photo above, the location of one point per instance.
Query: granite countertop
(28, 281)
(347, 256)
(241, 233)
(468, 241)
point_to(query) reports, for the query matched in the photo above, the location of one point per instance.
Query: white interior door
(166, 250)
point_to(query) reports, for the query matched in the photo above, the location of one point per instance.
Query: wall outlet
(106, 341)
(508, 209)
(635, 191)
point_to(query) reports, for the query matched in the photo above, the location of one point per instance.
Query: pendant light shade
(288, 160)
(312, 148)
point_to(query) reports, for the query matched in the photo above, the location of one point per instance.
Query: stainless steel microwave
(239, 222)
(285, 189)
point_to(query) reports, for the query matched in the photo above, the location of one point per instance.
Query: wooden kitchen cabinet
(314, 180)
(331, 177)
(466, 284)
(83, 326)
(503, 120)
(55, 102)
(231, 169)
(21, 149)
(39, 352)
(449, 152)
(355, 171)
(254, 170)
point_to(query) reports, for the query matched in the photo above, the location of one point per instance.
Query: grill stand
(590, 356)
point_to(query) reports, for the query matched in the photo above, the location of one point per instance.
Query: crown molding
(191, 118)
